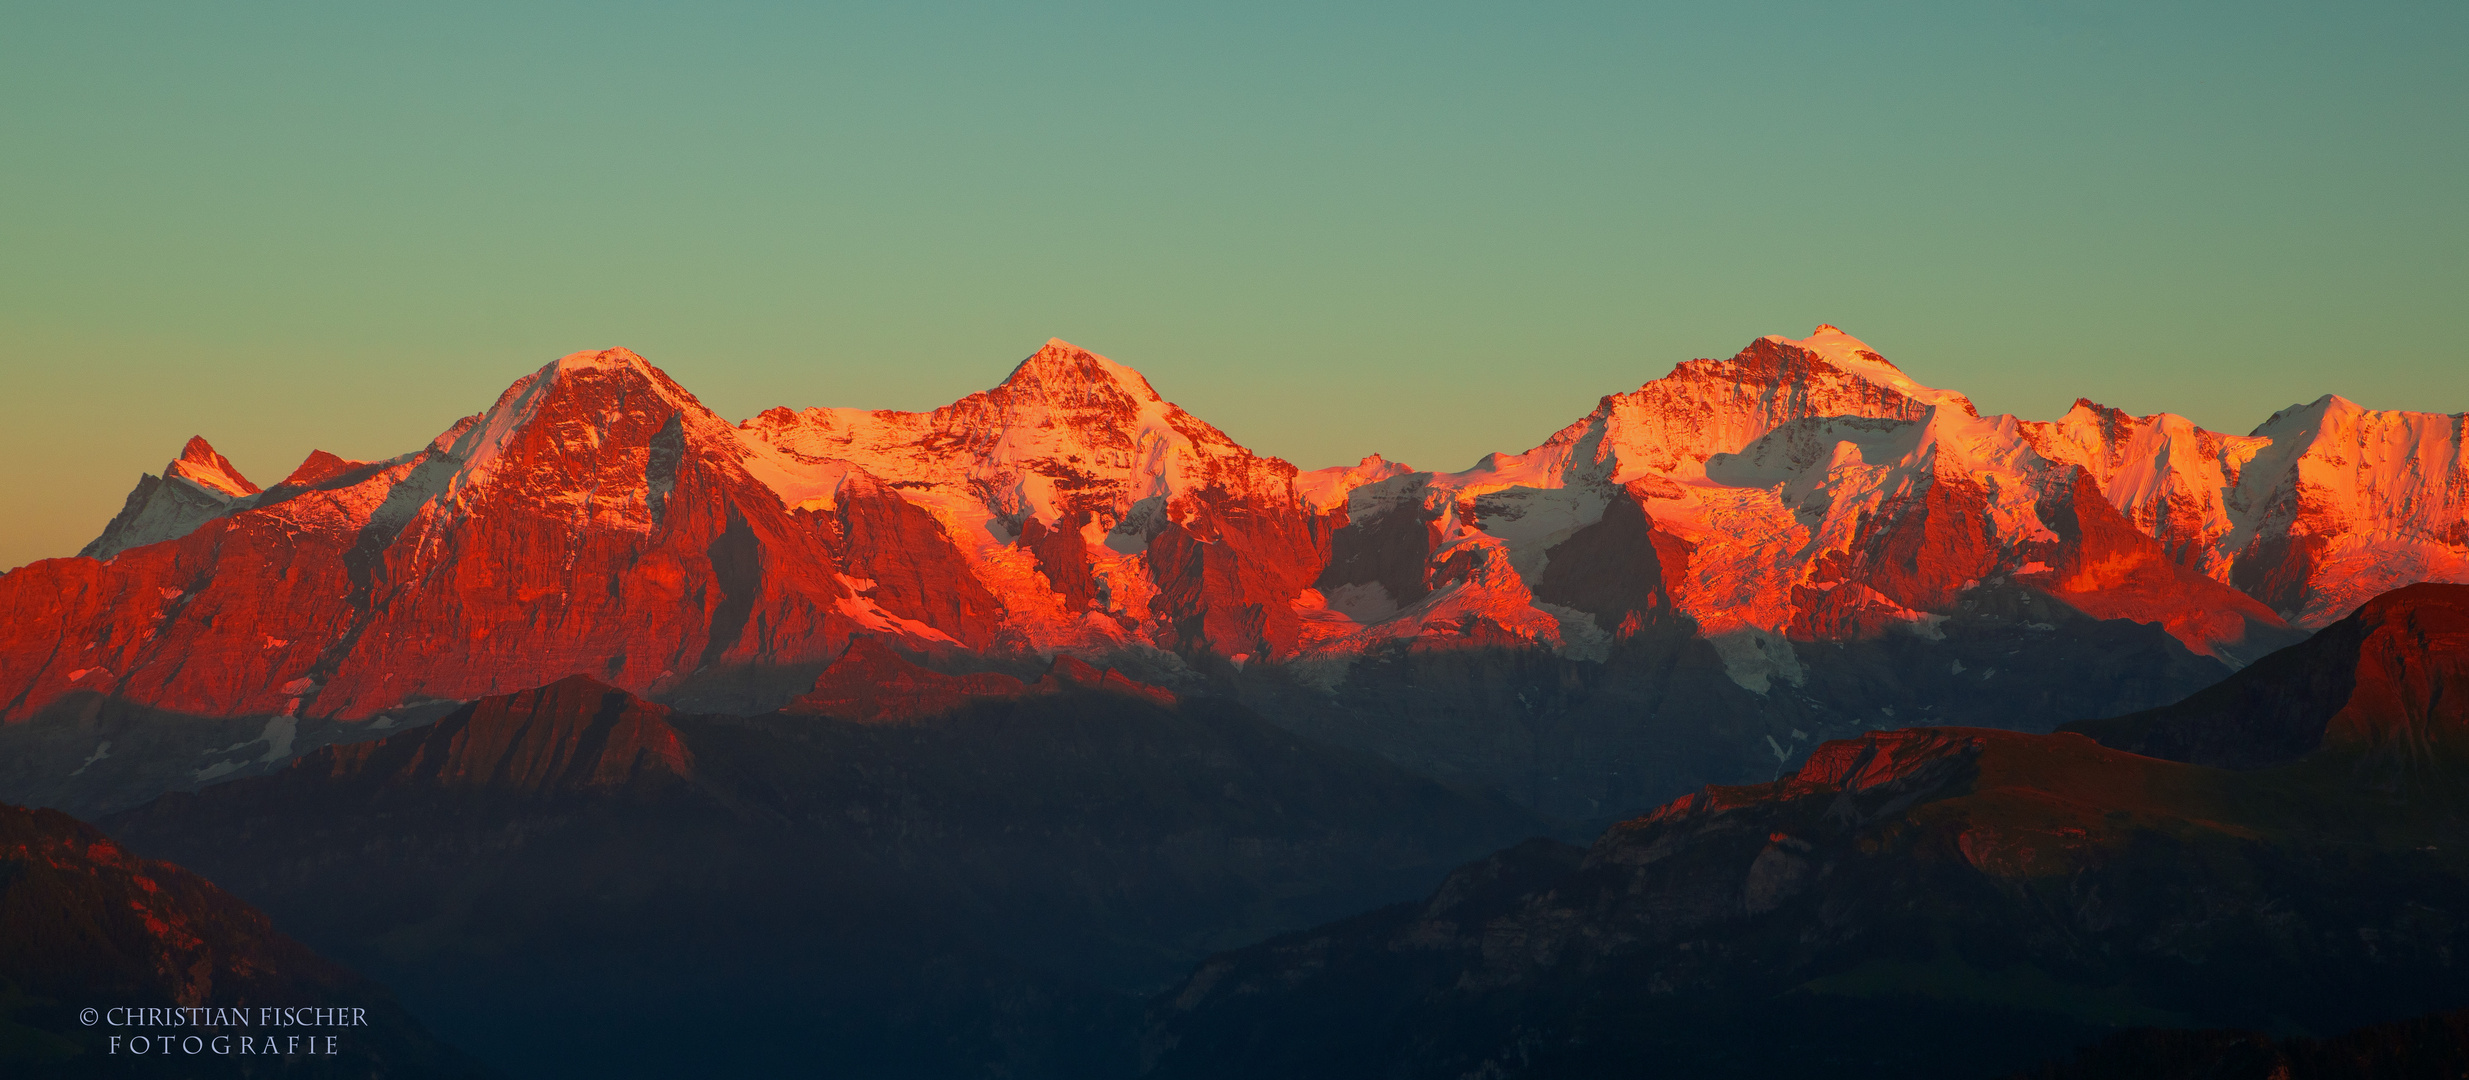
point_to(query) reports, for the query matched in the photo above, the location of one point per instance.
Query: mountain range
(1032, 736)
(1793, 538)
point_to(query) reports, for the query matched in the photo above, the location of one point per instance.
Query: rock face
(1930, 901)
(91, 926)
(1787, 506)
(985, 887)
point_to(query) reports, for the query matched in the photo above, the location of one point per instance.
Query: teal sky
(1428, 230)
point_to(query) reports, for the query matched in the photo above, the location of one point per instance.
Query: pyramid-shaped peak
(201, 452)
(1060, 365)
(199, 464)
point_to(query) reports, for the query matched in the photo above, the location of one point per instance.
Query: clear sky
(1429, 230)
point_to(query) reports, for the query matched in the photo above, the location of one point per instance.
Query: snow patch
(1582, 636)
(1755, 658)
(870, 615)
(278, 737)
(101, 750)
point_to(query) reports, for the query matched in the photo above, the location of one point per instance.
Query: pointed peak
(319, 466)
(199, 464)
(1060, 364)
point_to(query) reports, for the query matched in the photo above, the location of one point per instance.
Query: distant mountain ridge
(1930, 902)
(946, 876)
(599, 520)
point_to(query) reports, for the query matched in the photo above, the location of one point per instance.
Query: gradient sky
(1428, 230)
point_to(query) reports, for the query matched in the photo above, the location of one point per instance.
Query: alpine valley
(1030, 736)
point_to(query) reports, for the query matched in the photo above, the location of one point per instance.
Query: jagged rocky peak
(196, 487)
(201, 465)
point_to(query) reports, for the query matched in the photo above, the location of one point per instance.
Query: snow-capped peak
(199, 464)
(1854, 356)
(1060, 366)
(1324, 489)
(600, 360)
